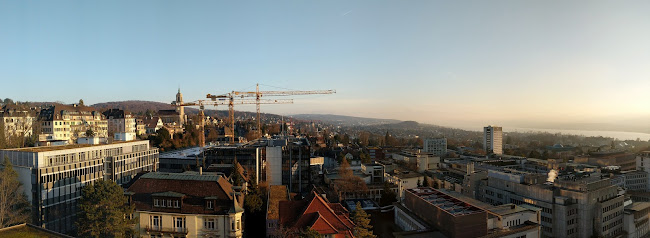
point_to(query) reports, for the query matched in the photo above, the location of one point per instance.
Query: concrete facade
(53, 177)
(493, 139)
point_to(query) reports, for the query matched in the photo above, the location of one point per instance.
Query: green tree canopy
(104, 211)
(388, 196)
(361, 220)
(310, 233)
(14, 208)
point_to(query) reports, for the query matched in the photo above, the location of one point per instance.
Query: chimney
(200, 170)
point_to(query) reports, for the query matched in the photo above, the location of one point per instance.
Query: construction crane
(257, 94)
(202, 103)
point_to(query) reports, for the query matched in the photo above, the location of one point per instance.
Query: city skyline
(454, 64)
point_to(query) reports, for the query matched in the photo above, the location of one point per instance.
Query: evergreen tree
(361, 220)
(104, 211)
(14, 208)
(235, 177)
(388, 196)
(425, 182)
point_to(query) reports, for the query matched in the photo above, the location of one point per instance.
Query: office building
(53, 177)
(436, 146)
(636, 221)
(189, 204)
(493, 139)
(564, 201)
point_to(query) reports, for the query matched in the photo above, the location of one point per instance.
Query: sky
(456, 63)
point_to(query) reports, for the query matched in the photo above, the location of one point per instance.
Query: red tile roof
(315, 212)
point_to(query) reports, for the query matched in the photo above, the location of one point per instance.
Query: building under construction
(279, 161)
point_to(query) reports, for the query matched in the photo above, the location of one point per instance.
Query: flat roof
(638, 206)
(444, 202)
(188, 175)
(181, 154)
(507, 209)
(64, 147)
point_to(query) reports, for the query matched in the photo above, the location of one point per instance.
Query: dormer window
(156, 203)
(177, 204)
(210, 205)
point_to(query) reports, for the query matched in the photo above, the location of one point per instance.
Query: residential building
(636, 220)
(493, 139)
(189, 204)
(69, 122)
(140, 127)
(17, 120)
(152, 125)
(277, 193)
(120, 121)
(436, 146)
(376, 172)
(53, 177)
(376, 153)
(564, 202)
(331, 220)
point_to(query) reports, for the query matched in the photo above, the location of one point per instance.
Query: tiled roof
(195, 188)
(168, 113)
(316, 213)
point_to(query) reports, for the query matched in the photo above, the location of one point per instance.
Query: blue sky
(444, 62)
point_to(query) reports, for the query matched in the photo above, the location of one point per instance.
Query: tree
(388, 196)
(90, 133)
(425, 182)
(310, 233)
(361, 220)
(81, 102)
(104, 211)
(235, 175)
(14, 208)
(419, 183)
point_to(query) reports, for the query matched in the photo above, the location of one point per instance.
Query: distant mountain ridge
(345, 120)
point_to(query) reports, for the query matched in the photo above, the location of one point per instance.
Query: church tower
(180, 109)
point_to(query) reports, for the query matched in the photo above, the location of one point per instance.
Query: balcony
(166, 230)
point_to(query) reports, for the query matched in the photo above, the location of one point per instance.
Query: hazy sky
(444, 62)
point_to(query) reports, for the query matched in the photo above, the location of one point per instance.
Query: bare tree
(14, 208)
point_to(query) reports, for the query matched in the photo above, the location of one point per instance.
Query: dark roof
(195, 188)
(115, 113)
(55, 111)
(168, 113)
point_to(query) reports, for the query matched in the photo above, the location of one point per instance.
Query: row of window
(612, 216)
(179, 223)
(613, 206)
(166, 203)
(612, 225)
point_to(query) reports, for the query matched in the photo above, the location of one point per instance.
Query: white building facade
(493, 139)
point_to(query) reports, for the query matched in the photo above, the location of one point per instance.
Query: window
(210, 203)
(232, 224)
(155, 222)
(156, 203)
(169, 203)
(209, 223)
(177, 204)
(179, 224)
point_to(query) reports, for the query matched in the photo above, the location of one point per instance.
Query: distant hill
(345, 120)
(140, 107)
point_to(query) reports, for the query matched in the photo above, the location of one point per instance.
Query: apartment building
(189, 204)
(53, 177)
(436, 146)
(637, 220)
(493, 139)
(69, 122)
(17, 120)
(120, 124)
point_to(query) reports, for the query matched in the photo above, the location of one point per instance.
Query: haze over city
(551, 64)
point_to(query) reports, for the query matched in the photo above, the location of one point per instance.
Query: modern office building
(189, 204)
(493, 139)
(436, 146)
(564, 203)
(53, 177)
